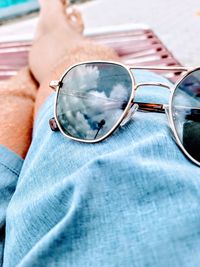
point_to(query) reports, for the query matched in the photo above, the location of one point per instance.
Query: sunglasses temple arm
(151, 107)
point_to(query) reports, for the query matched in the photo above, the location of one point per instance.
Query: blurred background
(177, 23)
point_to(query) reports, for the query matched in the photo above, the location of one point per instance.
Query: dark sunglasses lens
(92, 98)
(186, 113)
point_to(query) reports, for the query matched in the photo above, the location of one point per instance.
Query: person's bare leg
(17, 98)
(57, 45)
(61, 46)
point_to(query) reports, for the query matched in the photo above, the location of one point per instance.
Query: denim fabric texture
(131, 200)
(10, 167)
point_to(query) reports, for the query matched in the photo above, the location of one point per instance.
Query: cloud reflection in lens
(92, 99)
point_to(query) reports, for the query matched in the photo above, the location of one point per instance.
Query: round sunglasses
(94, 98)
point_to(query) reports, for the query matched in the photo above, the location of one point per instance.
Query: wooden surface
(135, 47)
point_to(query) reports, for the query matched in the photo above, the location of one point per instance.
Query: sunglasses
(94, 98)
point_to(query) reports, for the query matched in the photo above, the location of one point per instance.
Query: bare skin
(58, 44)
(62, 45)
(17, 98)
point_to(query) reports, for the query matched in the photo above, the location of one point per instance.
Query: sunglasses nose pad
(130, 114)
(170, 125)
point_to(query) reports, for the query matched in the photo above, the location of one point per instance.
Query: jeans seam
(14, 171)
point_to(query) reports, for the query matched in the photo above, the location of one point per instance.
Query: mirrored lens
(92, 98)
(186, 113)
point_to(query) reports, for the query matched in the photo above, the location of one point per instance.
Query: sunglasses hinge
(54, 84)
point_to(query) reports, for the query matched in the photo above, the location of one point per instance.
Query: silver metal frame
(171, 121)
(151, 107)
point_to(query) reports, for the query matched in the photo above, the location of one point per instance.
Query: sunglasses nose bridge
(152, 84)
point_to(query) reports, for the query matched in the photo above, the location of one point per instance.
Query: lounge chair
(135, 44)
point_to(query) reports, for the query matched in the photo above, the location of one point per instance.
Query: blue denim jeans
(131, 200)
